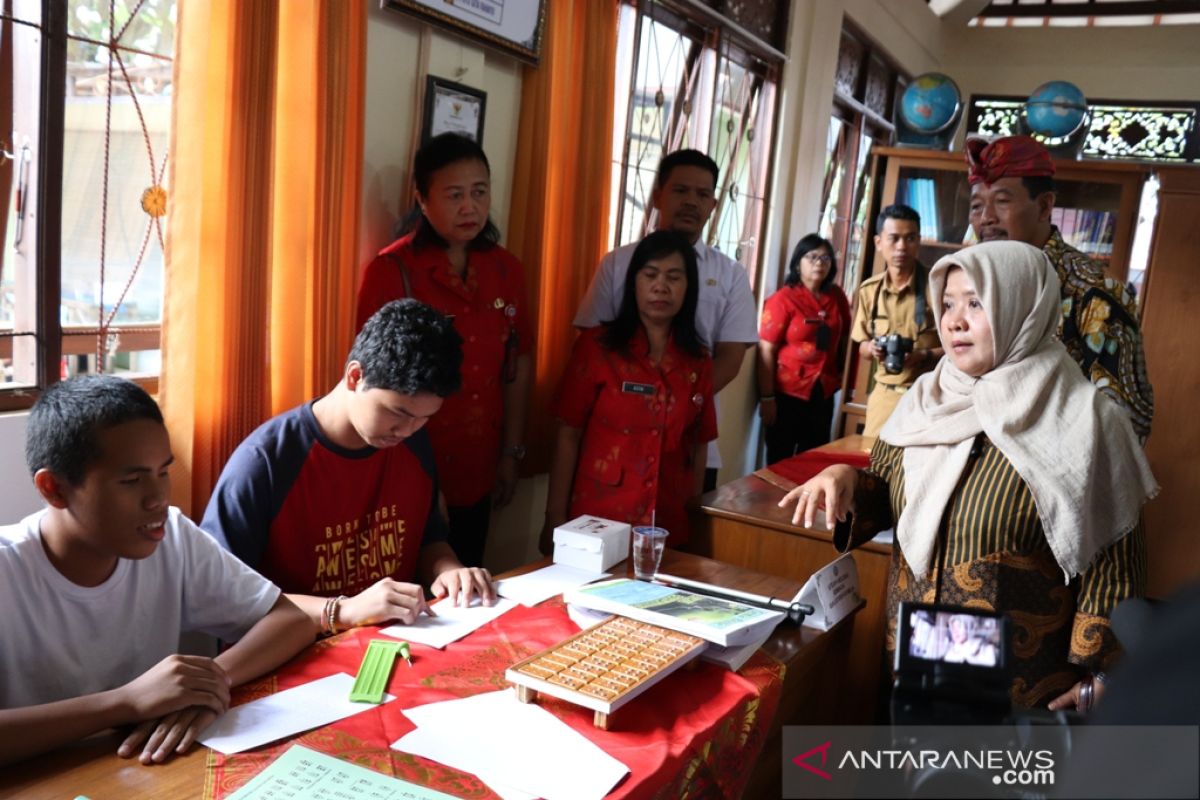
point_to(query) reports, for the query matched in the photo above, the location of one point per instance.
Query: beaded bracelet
(331, 609)
(325, 616)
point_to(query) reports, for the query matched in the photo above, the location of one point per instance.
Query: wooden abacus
(606, 666)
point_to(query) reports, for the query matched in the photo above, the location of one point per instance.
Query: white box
(591, 543)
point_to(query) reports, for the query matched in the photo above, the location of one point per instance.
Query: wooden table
(741, 523)
(813, 663)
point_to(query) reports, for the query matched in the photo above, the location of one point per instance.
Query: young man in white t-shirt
(684, 196)
(97, 587)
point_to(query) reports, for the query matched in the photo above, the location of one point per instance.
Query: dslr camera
(895, 347)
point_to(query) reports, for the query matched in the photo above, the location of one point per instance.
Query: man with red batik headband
(1012, 195)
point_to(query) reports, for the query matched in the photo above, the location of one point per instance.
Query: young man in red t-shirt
(336, 501)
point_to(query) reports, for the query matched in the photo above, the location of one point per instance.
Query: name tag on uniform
(638, 388)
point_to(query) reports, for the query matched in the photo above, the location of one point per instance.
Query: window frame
(857, 163)
(714, 38)
(53, 340)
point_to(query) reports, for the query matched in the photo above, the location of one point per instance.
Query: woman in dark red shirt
(635, 403)
(450, 260)
(801, 351)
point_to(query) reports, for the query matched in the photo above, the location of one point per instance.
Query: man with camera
(893, 322)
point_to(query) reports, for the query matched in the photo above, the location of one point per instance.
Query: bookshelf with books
(1096, 208)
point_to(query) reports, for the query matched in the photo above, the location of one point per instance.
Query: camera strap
(918, 283)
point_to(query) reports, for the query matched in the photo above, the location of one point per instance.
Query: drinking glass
(648, 543)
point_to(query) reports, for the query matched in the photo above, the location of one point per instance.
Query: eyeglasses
(818, 258)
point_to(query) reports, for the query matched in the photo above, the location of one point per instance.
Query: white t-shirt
(724, 312)
(60, 640)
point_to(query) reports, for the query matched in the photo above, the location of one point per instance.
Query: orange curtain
(560, 196)
(261, 249)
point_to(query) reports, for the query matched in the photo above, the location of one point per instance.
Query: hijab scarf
(1074, 448)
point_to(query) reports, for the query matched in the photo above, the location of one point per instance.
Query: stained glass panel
(1117, 130)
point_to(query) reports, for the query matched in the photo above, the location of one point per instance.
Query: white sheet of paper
(534, 587)
(451, 623)
(428, 740)
(536, 753)
(285, 713)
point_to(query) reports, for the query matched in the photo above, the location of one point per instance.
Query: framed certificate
(511, 26)
(452, 108)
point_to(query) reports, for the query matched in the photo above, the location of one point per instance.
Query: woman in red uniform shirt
(635, 404)
(801, 351)
(450, 260)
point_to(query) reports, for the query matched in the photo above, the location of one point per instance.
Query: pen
(406, 653)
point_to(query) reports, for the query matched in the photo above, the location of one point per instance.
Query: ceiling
(1067, 13)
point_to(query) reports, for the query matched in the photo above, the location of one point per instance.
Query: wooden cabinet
(1169, 328)
(1096, 209)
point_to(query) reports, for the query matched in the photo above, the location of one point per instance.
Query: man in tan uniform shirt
(887, 303)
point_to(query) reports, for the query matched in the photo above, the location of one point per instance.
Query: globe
(931, 103)
(1056, 109)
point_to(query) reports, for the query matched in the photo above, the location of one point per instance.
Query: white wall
(906, 29)
(17, 495)
(1124, 63)
(397, 63)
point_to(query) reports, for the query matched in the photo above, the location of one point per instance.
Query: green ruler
(374, 670)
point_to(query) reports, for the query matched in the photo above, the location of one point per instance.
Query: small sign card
(833, 593)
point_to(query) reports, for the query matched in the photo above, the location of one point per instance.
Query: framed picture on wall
(511, 26)
(452, 108)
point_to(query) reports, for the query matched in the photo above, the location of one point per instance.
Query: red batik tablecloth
(803, 466)
(701, 728)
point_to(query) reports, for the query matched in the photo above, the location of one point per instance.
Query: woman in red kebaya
(801, 351)
(635, 403)
(450, 260)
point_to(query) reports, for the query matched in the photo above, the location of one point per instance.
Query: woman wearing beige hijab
(1012, 483)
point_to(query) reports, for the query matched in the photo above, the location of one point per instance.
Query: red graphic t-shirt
(316, 518)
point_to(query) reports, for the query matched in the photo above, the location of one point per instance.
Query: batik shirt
(641, 423)
(1100, 329)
